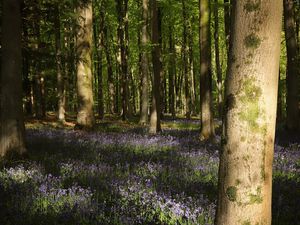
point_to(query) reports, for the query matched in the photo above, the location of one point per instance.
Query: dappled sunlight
(126, 177)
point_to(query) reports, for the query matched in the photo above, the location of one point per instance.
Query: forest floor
(119, 174)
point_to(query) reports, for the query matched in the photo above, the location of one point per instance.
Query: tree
(12, 123)
(185, 63)
(207, 127)
(217, 59)
(292, 76)
(85, 115)
(144, 67)
(60, 79)
(245, 172)
(227, 18)
(122, 6)
(156, 52)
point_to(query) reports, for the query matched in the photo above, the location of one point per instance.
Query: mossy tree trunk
(156, 52)
(84, 39)
(292, 76)
(207, 127)
(245, 172)
(11, 118)
(144, 66)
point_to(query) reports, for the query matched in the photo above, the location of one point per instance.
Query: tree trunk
(279, 113)
(156, 52)
(110, 75)
(11, 118)
(185, 64)
(26, 65)
(144, 67)
(207, 127)
(217, 59)
(245, 172)
(192, 81)
(227, 9)
(292, 76)
(38, 78)
(85, 115)
(100, 85)
(60, 79)
(122, 14)
(172, 73)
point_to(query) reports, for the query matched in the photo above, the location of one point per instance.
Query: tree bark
(144, 66)
(60, 79)
(26, 63)
(11, 118)
(110, 75)
(227, 18)
(245, 171)
(38, 78)
(156, 52)
(217, 59)
(293, 75)
(185, 63)
(207, 127)
(85, 115)
(122, 42)
(172, 73)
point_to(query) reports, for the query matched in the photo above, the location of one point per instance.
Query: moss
(247, 222)
(252, 6)
(252, 41)
(256, 198)
(251, 91)
(238, 182)
(231, 193)
(250, 116)
(250, 98)
(246, 157)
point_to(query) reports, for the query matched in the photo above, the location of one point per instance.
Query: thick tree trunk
(245, 172)
(85, 115)
(156, 52)
(60, 79)
(293, 75)
(207, 126)
(144, 66)
(11, 118)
